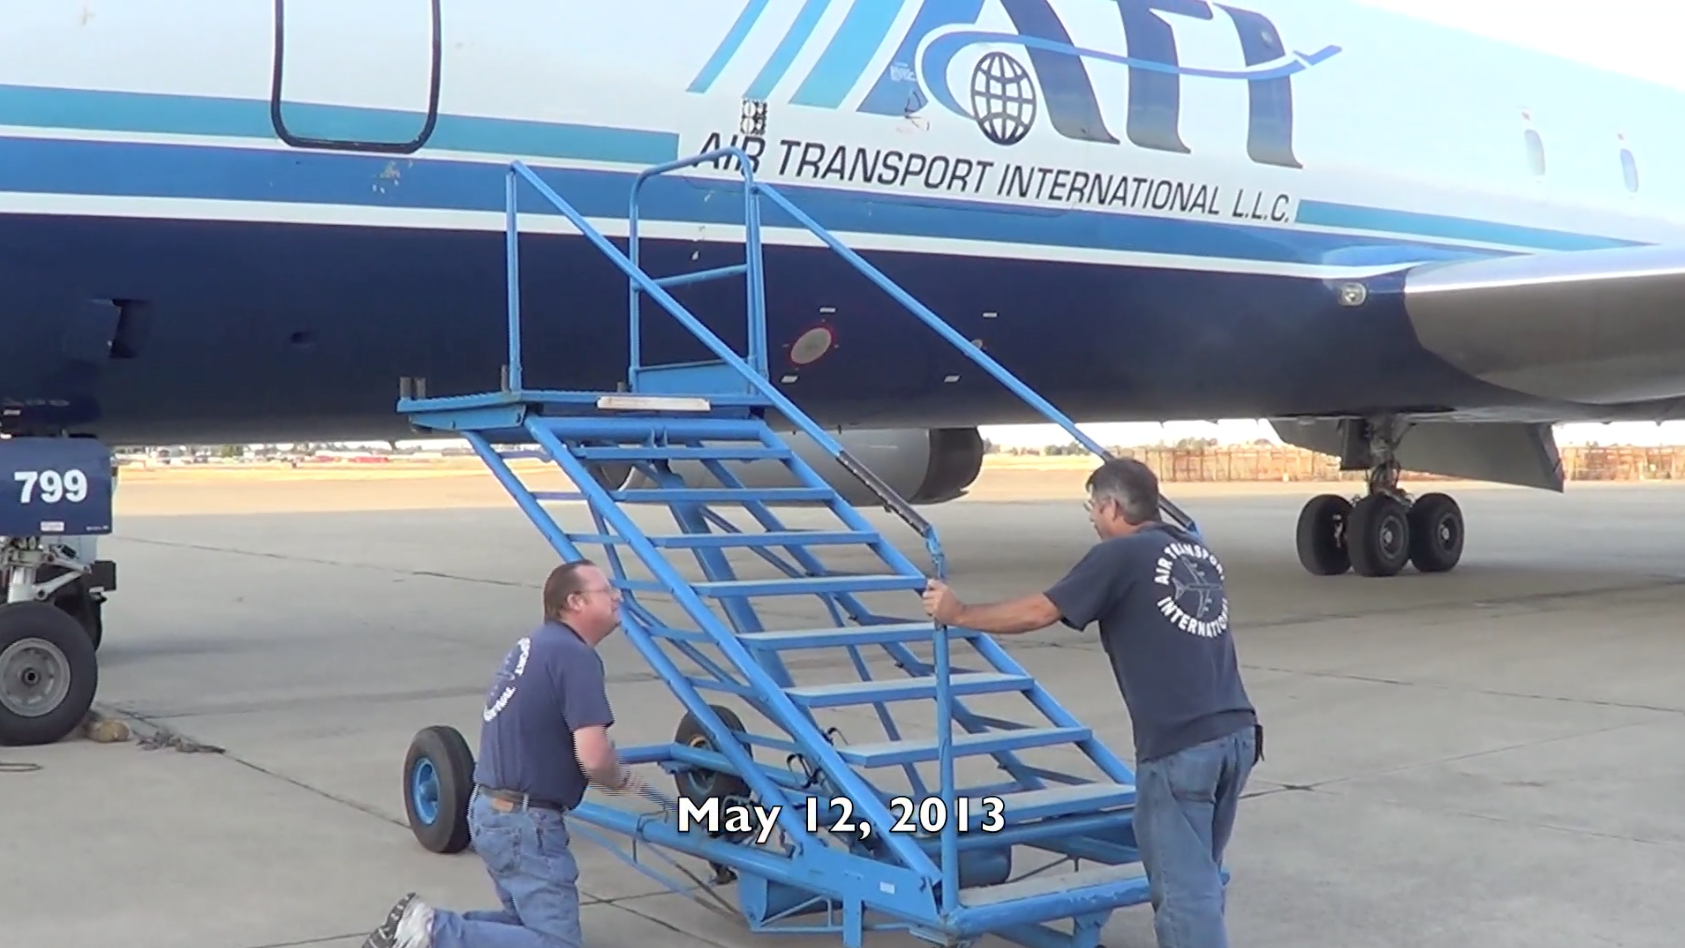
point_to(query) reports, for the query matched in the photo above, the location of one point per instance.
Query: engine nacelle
(924, 466)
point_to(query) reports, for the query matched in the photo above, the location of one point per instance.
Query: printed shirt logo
(503, 686)
(1193, 579)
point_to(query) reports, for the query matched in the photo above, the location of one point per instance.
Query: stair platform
(867, 837)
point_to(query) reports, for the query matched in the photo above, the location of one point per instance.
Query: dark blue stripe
(1357, 217)
(256, 174)
(89, 110)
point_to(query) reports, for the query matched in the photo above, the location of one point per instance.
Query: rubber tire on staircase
(691, 783)
(439, 755)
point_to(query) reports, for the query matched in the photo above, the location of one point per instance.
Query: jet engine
(924, 466)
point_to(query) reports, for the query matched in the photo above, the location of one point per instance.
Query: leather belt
(517, 800)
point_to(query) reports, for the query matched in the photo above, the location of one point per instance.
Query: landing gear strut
(55, 500)
(1379, 533)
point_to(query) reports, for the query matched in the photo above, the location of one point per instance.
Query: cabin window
(1629, 170)
(1535, 152)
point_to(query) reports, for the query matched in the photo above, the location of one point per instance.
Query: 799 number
(52, 486)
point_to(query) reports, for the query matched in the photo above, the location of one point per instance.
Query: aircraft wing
(1599, 327)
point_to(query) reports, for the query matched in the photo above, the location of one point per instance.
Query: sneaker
(415, 926)
(408, 925)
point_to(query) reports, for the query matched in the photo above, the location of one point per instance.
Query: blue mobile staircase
(848, 853)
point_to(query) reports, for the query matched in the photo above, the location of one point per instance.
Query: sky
(1628, 36)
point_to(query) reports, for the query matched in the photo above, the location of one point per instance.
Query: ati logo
(1191, 590)
(1047, 72)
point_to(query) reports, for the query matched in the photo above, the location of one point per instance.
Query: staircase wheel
(701, 785)
(438, 783)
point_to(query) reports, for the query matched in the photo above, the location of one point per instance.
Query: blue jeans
(536, 878)
(1185, 807)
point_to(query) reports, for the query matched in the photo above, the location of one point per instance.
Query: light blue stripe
(788, 49)
(99, 111)
(472, 133)
(338, 123)
(729, 46)
(1356, 217)
(858, 39)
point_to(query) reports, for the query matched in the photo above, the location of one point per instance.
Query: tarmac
(1491, 757)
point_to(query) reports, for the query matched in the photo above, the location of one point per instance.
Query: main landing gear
(1378, 534)
(55, 498)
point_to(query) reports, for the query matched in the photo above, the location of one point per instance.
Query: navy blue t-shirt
(1164, 622)
(550, 685)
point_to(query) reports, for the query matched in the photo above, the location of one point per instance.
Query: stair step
(905, 689)
(746, 452)
(640, 429)
(769, 538)
(1048, 883)
(691, 378)
(702, 276)
(719, 495)
(692, 541)
(917, 750)
(809, 585)
(850, 635)
(463, 412)
(1028, 805)
(645, 401)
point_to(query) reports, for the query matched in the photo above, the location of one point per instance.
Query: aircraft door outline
(349, 130)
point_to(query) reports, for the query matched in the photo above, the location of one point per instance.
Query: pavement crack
(324, 561)
(1545, 599)
(1469, 755)
(1527, 824)
(1491, 692)
(167, 736)
(336, 798)
(310, 941)
(622, 903)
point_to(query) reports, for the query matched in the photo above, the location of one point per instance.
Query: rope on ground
(8, 767)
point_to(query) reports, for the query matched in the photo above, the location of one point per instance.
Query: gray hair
(1129, 482)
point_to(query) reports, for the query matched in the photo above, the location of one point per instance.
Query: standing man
(544, 738)
(1157, 593)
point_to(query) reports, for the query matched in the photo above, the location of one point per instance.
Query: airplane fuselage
(248, 220)
(262, 220)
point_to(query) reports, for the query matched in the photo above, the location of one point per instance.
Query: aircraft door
(356, 75)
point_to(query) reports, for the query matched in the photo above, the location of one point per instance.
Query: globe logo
(1003, 99)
